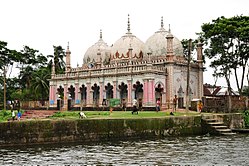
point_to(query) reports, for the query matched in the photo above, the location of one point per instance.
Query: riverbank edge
(97, 130)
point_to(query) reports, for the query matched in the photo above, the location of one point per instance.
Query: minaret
(199, 52)
(170, 68)
(169, 38)
(200, 64)
(68, 54)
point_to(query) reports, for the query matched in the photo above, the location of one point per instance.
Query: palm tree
(40, 84)
(59, 54)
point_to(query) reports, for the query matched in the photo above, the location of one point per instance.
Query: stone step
(211, 120)
(224, 130)
(36, 114)
(220, 127)
(215, 123)
(231, 133)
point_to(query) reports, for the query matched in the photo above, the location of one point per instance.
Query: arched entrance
(71, 97)
(123, 92)
(95, 89)
(83, 94)
(109, 92)
(60, 102)
(158, 93)
(180, 97)
(139, 93)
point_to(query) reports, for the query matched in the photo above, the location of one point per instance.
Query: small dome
(157, 43)
(121, 47)
(99, 52)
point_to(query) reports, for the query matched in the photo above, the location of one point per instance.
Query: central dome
(157, 43)
(99, 52)
(120, 49)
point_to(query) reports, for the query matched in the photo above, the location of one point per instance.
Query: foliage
(245, 91)
(40, 84)
(57, 59)
(4, 115)
(35, 70)
(228, 40)
(246, 118)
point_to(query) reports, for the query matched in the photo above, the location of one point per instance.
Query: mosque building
(130, 69)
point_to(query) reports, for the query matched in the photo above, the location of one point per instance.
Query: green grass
(117, 114)
(6, 114)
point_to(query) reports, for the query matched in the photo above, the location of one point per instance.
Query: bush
(246, 118)
(4, 115)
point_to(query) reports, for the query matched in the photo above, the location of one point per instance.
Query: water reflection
(201, 150)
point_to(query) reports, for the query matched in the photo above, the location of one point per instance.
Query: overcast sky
(40, 24)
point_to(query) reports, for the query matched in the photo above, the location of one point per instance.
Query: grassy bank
(117, 114)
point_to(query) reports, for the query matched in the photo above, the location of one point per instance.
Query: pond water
(199, 150)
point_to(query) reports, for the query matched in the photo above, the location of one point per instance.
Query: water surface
(200, 150)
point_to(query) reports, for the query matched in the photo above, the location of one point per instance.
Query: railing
(114, 69)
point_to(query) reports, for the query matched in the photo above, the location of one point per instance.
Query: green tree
(31, 60)
(227, 40)
(58, 60)
(7, 59)
(40, 84)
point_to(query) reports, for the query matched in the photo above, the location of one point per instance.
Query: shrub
(246, 118)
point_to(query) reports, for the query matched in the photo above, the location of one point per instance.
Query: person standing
(124, 105)
(13, 114)
(19, 114)
(158, 103)
(134, 104)
(174, 103)
(200, 105)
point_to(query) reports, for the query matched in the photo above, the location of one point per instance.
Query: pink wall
(76, 91)
(129, 93)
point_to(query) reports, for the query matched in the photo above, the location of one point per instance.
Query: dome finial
(162, 22)
(128, 28)
(169, 29)
(100, 34)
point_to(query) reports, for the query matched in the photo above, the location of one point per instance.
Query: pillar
(65, 97)
(76, 92)
(145, 94)
(200, 72)
(88, 101)
(50, 94)
(101, 84)
(129, 103)
(151, 92)
(114, 89)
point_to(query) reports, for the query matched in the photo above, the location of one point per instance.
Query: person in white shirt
(134, 103)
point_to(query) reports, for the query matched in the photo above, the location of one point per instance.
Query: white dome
(157, 44)
(100, 51)
(122, 46)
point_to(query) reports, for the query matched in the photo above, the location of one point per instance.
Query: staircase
(216, 127)
(37, 114)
